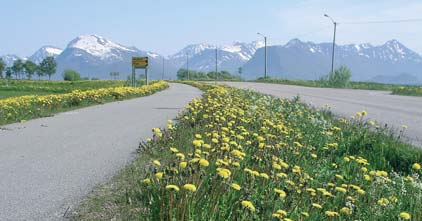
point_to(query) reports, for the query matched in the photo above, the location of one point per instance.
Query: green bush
(340, 78)
(71, 75)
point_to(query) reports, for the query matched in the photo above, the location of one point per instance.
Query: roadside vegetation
(239, 155)
(17, 109)
(184, 74)
(341, 79)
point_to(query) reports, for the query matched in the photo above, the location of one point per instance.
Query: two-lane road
(381, 105)
(48, 164)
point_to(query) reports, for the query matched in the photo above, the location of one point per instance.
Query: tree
(30, 69)
(114, 75)
(239, 71)
(2, 67)
(9, 72)
(48, 66)
(71, 75)
(17, 68)
(182, 74)
(39, 72)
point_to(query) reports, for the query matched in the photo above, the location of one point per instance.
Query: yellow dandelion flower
(383, 202)
(248, 205)
(341, 189)
(183, 164)
(180, 155)
(159, 175)
(224, 173)
(405, 215)
(416, 166)
(346, 210)
(190, 187)
(235, 186)
(172, 187)
(280, 192)
(316, 205)
(306, 214)
(156, 163)
(331, 213)
(147, 181)
(174, 150)
(204, 162)
(264, 175)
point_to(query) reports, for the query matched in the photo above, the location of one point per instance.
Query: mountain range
(96, 56)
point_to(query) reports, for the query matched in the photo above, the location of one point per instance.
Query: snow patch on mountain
(43, 52)
(98, 46)
(10, 58)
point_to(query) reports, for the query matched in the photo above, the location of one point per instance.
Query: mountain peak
(45, 51)
(294, 42)
(97, 46)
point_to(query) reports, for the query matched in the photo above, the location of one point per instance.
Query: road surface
(381, 106)
(47, 165)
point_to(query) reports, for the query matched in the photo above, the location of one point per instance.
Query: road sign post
(139, 63)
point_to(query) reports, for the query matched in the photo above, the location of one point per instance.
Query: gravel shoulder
(48, 165)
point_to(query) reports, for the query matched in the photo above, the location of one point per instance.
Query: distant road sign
(140, 62)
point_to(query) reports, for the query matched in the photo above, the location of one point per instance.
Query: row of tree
(184, 74)
(21, 69)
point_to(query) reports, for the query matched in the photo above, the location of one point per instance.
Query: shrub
(340, 78)
(71, 75)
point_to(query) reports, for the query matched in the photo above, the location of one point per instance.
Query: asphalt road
(381, 106)
(48, 165)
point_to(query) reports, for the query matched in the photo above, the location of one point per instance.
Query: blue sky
(167, 26)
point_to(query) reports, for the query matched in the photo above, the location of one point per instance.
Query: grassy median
(240, 155)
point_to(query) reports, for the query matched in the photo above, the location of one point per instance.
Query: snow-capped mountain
(308, 60)
(43, 52)
(202, 56)
(10, 58)
(96, 56)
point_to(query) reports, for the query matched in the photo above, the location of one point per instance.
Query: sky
(166, 26)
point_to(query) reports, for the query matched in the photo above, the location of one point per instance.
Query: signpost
(139, 63)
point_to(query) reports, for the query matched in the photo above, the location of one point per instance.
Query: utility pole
(265, 54)
(187, 64)
(216, 63)
(162, 73)
(334, 43)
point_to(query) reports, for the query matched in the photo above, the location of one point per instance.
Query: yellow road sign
(140, 62)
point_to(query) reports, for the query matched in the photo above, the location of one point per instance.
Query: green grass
(395, 89)
(15, 88)
(7, 93)
(263, 130)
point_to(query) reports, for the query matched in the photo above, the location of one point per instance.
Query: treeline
(27, 69)
(184, 74)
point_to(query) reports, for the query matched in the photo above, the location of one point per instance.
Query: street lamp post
(334, 43)
(216, 63)
(265, 51)
(162, 73)
(187, 65)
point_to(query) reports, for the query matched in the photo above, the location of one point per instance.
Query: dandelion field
(20, 108)
(240, 155)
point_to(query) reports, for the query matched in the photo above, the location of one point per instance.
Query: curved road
(381, 106)
(47, 165)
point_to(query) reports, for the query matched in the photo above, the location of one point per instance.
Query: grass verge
(395, 89)
(241, 155)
